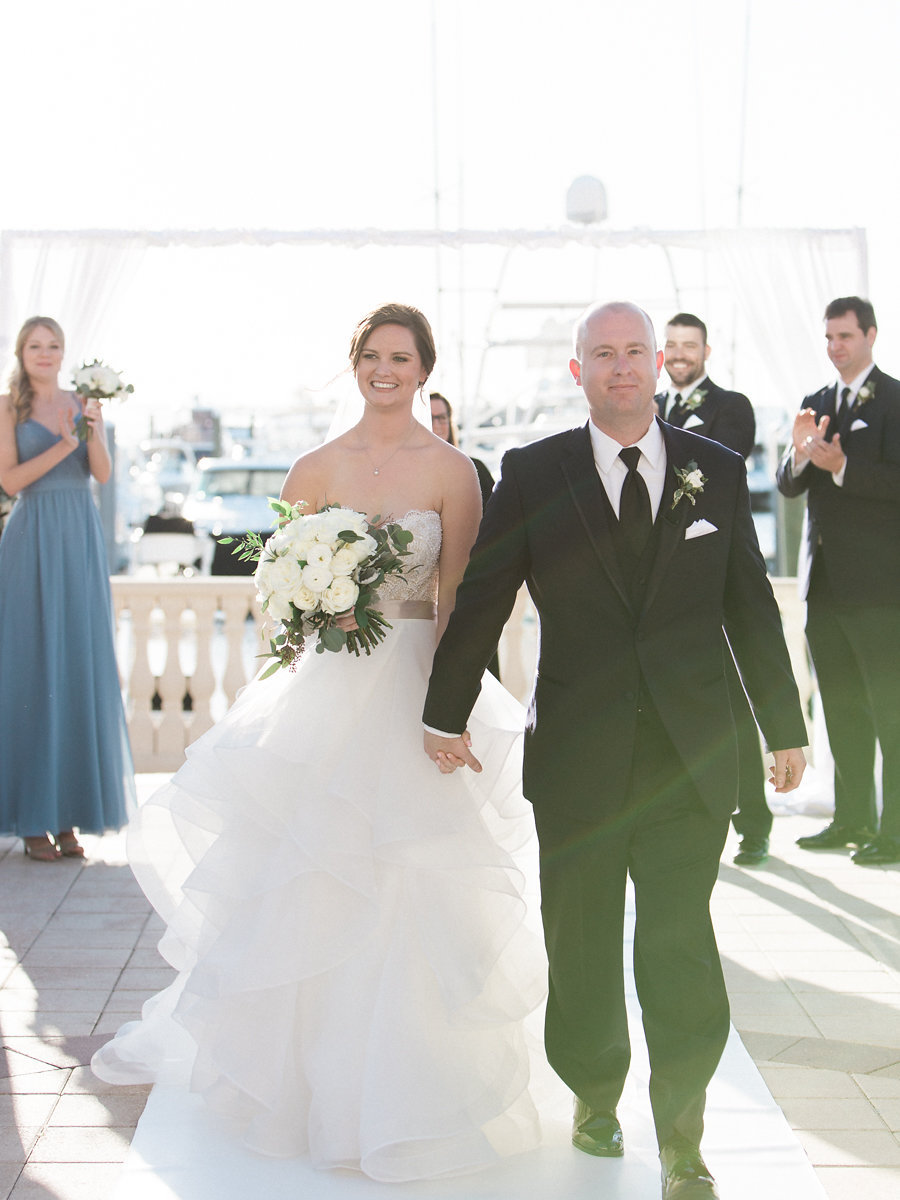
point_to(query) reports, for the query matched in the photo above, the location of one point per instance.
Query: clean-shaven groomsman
(637, 545)
(694, 402)
(845, 455)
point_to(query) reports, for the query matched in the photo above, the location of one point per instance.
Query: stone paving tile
(40, 1082)
(788, 1083)
(858, 1183)
(49, 1024)
(824, 1113)
(9, 1173)
(879, 1086)
(52, 1000)
(888, 1109)
(97, 1143)
(68, 1181)
(16, 1143)
(26, 1110)
(111, 1108)
(850, 1148)
(84, 1082)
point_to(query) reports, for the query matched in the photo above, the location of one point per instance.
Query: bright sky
(290, 114)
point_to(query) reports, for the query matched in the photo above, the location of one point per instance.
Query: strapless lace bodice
(419, 580)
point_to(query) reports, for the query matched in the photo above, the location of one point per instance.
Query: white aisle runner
(180, 1153)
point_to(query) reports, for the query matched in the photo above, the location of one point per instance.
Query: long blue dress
(65, 761)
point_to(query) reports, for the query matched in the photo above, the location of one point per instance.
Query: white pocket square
(698, 529)
(692, 420)
(858, 424)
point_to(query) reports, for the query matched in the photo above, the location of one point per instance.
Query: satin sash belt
(407, 610)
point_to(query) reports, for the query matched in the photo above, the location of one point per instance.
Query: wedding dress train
(348, 924)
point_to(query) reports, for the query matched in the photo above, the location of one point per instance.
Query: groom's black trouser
(670, 844)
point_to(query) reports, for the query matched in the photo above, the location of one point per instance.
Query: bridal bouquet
(96, 381)
(317, 566)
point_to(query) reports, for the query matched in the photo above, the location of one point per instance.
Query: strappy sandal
(69, 845)
(41, 849)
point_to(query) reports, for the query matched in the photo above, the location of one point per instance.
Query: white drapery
(762, 292)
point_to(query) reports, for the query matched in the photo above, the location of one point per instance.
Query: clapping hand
(66, 426)
(809, 442)
(449, 753)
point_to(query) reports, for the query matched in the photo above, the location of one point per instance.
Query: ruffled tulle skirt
(348, 924)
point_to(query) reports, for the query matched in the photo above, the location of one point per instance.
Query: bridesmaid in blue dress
(66, 763)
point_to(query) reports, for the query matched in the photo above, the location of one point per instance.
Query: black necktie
(843, 408)
(677, 399)
(635, 518)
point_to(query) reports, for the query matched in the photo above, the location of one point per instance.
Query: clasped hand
(449, 753)
(809, 442)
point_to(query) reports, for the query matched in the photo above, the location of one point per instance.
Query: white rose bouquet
(96, 381)
(317, 566)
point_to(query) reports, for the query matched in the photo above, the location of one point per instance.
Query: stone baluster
(141, 684)
(203, 682)
(170, 736)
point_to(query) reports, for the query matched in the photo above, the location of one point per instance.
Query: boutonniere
(694, 400)
(866, 392)
(690, 483)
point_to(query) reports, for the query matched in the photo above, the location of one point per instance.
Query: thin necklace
(377, 470)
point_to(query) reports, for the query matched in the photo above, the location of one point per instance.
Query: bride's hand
(449, 753)
(346, 621)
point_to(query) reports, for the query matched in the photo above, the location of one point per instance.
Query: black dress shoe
(597, 1133)
(685, 1176)
(835, 837)
(882, 849)
(752, 851)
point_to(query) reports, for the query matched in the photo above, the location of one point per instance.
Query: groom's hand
(788, 769)
(449, 753)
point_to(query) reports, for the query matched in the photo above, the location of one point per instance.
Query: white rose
(317, 579)
(305, 599)
(282, 577)
(340, 596)
(695, 479)
(279, 608)
(344, 561)
(108, 380)
(363, 548)
(318, 554)
(82, 377)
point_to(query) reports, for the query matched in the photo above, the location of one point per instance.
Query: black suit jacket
(724, 416)
(547, 525)
(856, 527)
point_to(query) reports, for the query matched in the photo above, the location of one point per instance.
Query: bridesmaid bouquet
(317, 566)
(96, 381)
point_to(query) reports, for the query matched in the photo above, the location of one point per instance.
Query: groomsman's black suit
(724, 416)
(727, 417)
(630, 752)
(853, 596)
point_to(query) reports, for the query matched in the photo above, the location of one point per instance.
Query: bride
(347, 924)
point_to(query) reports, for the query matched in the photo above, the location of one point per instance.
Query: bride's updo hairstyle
(395, 314)
(20, 390)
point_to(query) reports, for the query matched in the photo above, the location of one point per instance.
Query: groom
(637, 545)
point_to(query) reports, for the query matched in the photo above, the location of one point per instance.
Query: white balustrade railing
(186, 645)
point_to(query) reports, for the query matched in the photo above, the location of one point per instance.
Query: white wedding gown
(347, 923)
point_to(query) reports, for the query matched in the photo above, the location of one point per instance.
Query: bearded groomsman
(845, 455)
(694, 402)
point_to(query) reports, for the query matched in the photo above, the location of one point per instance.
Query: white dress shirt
(612, 472)
(684, 392)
